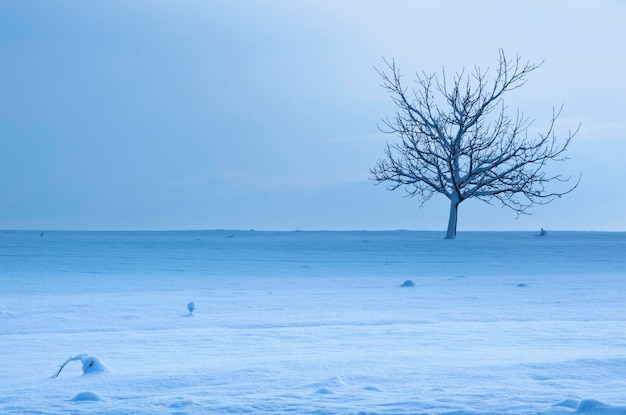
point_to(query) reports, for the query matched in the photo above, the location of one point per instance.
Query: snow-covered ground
(312, 323)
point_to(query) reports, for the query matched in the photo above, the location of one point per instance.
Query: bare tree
(457, 139)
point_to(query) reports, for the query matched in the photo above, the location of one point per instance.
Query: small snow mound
(408, 283)
(92, 364)
(372, 389)
(86, 396)
(181, 403)
(568, 403)
(591, 406)
(328, 386)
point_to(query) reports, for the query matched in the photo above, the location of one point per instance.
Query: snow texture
(313, 322)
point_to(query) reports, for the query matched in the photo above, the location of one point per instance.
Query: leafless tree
(456, 138)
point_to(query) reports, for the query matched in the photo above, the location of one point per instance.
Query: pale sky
(233, 114)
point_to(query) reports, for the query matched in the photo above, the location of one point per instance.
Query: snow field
(338, 346)
(318, 341)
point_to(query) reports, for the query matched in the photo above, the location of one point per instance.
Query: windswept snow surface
(313, 323)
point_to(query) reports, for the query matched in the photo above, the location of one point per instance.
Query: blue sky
(263, 114)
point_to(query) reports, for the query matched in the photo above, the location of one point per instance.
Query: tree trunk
(454, 208)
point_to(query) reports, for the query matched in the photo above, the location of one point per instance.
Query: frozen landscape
(312, 323)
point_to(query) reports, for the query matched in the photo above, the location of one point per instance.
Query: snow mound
(86, 396)
(568, 403)
(182, 403)
(92, 364)
(591, 406)
(408, 283)
(328, 386)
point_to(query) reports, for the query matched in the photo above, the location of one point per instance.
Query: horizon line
(43, 230)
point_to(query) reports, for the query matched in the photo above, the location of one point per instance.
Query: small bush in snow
(91, 364)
